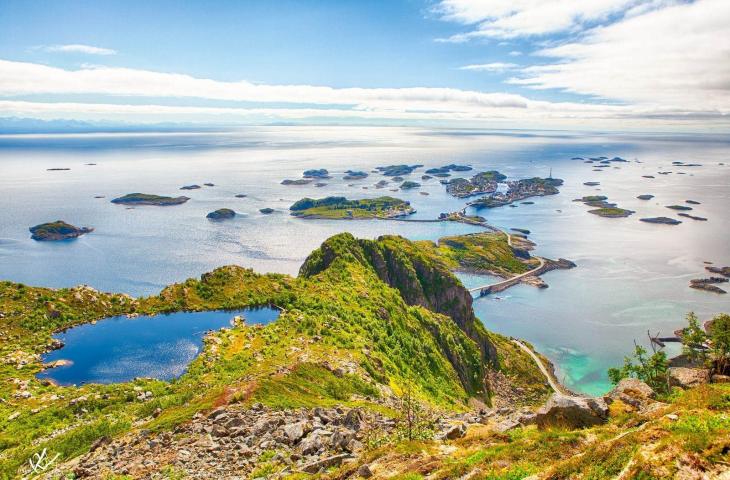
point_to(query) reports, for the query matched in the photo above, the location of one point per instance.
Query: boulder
(364, 471)
(633, 392)
(507, 425)
(311, 444)
(295, 431)
(353, 419)
(455, 431)
(688, 377)
(572, 412)
(717, 378)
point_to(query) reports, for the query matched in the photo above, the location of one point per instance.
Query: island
(480, 184)
(591, 184)
(724, 271)
(448, 168)
(149, 199)
(266, 211)
(58, 230)
(520, 190)
(661, 220)
(381, 184)
(397, 170)
(645, 196)
(679, 207)
(299, 181)
(612, 212)
(209, 184)
(221, 214)
(190, 187)
(407, 185)
(342, 208)
(692, 202)
(317, 173)
(708, 284)
(692, 217)
(241, 195)
(355, 175)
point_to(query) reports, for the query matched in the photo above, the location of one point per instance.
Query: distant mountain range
(16, 125)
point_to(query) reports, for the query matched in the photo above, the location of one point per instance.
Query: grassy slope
(639, 446)
(481, 252)
(344, 316)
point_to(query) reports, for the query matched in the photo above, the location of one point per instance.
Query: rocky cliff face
(422, 280)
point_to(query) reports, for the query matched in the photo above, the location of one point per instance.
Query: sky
(588, 64)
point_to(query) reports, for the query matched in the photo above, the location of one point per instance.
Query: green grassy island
(149, 199)
(342, 208)
(58, 230)
(612, 212)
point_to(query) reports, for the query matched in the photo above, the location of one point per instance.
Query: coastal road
(557, 388)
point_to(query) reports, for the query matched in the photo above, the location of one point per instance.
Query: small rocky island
(266, 211)
(645, 196)
(682, 208)
(692, 217)
(603, 207)
(397, 170)
(321, 173)
(299, 181)
(221, 214)
(724, 271)
(661, 220)
(480, 184)
(58, 230)
(355, 175)
(149, 199)
(407, 185)
(446, 169)
(708, 284)
(520, 190)
(612, 212)
(342, 208)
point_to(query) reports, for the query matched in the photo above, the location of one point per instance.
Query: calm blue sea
(632, 277)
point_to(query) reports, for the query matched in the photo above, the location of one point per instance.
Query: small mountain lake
(118, 349)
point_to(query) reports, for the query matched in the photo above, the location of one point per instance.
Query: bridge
(505, 284)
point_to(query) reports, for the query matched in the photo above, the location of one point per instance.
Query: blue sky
(492, 62)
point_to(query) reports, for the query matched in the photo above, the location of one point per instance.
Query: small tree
(720, 342)
(653, 370)
(693, 339)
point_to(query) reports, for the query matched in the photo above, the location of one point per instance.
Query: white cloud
(151, 91)
(490, 67)
(79, 48)
(678, 56)
(516, 18)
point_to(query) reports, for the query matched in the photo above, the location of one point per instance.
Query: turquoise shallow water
(631, 276)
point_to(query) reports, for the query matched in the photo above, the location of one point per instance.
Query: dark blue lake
(118, 349)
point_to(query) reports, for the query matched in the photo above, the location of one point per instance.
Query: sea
(631, 280)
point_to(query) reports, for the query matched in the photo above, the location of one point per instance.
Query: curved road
(557, 388)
